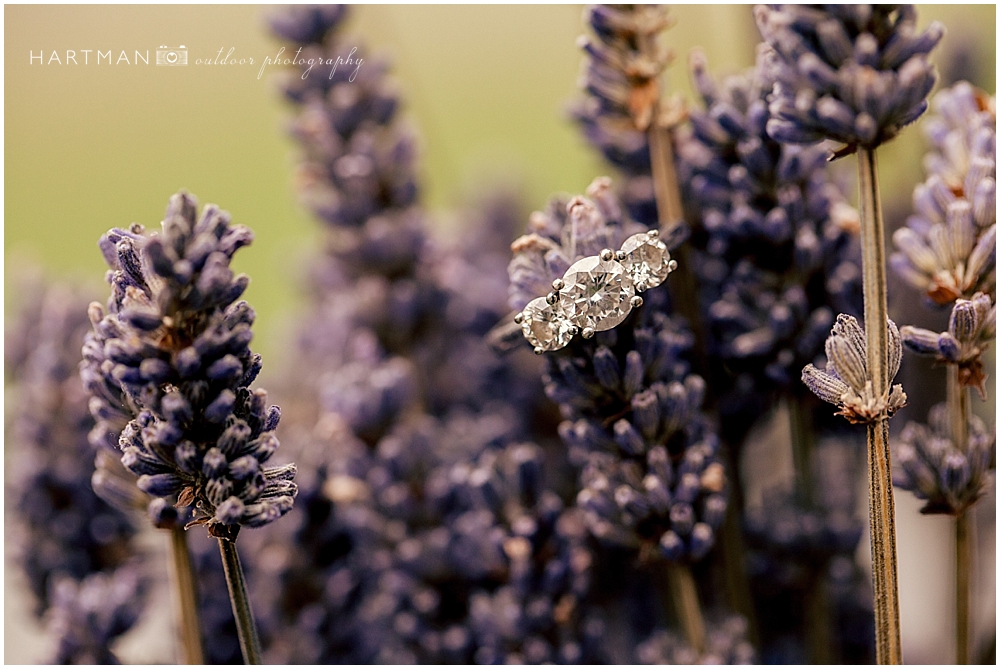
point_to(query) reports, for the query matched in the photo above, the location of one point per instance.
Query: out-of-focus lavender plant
(949, 477)
(725, 643)
(621, 82)
(948, 462)
(800, 552)
(404, 389)
(855, 74)
(947, 249)
(77, 551)
(88, 615)
(780, 250)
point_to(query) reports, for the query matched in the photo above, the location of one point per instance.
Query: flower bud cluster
(176, 341)
(846, 381)
(781, 255)
(949, 476)
(855, 74)
(971, 328)
(621, 83)
(947, 249)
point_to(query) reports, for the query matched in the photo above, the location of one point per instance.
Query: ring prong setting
(558, 284)
(588, 333)
(519, 318)
(607, 254)
(636, 302)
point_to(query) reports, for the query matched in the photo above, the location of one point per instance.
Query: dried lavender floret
(949, 477)
(846, 382)
(725, 643)
(947, 249)
(620, 81)
(971, 328)
(87, 616)
(780, 254)
(855, 74)
(176, 341)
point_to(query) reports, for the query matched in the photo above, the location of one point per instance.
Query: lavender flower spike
(176, 341)
(855, 74)
(951, 477)
(947, 249)
(621, 83)
(846, 381)
(972, 325)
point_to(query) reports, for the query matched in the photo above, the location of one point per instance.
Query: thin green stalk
(246, 629)
(958, 414)
(817, 615)
(685, 596)
(185, 588)
(881, 506)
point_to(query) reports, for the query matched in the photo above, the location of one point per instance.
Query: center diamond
(647, 260)
(598, 293)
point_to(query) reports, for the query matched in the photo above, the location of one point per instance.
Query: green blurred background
(486, 87)
(89, 147)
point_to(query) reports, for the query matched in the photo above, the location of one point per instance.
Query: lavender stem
(685, 596)
(958, 412)
(186, 591)
(881, 507)
(246, 629)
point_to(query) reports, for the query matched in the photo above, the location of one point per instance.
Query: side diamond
(598, 293)
(647, 260)
(545, 326)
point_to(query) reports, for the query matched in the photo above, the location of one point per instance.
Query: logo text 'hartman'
(83, 56)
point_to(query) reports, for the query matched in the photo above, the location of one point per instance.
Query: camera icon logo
(166, 55)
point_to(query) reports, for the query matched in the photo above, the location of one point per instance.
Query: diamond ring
(596, 293)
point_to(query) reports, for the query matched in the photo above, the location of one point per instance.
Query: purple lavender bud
(946, 476)
(160, 485)
(671, 546)
(843, 77)
(947, 250)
